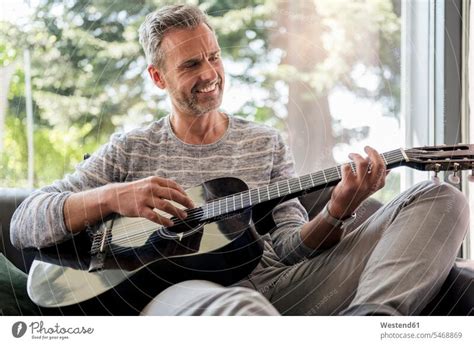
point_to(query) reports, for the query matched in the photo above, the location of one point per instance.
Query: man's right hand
(141, 197)
(130, 199)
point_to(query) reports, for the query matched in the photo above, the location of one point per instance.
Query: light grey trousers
(394, 263)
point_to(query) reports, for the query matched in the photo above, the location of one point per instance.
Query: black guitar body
(135, 271)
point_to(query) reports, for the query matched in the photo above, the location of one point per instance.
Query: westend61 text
(400, 325)
(38, 328)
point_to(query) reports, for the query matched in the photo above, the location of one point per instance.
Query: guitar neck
(288, 189)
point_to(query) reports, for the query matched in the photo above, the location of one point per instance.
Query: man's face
(193, 72)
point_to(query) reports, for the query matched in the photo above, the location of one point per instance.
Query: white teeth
(208, 89)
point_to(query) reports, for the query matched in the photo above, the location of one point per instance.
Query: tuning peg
(454, 178)
(435, 177)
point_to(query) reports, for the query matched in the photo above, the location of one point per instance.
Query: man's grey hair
(159, 22)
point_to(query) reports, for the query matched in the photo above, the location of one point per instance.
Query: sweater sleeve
(39, 221)
(290, 215)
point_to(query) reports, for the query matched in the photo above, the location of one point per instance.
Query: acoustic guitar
(219, 240)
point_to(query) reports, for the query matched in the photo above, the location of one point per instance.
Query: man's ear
(156, 76)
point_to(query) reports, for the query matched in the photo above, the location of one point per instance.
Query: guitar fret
(383, 156)
(324, 175)
(278, 189)
(303, 182)
(299, 180)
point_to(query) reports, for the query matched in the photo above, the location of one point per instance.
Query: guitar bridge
(99, 246)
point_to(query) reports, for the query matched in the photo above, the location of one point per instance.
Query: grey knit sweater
(254, 153)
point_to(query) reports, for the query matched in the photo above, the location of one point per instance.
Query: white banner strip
(236, 330)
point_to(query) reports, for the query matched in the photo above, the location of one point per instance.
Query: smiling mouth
(208, 89)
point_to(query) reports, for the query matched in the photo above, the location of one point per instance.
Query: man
(390, 265)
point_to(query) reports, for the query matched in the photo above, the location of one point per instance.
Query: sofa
(456, 296)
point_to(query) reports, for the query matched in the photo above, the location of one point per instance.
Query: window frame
(435, 31)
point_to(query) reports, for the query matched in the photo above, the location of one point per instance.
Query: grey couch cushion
(14, 299)
(10, 199)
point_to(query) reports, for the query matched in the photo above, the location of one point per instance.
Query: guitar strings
(148, 245)
(123, 250)
(197, 213)
(128, 249)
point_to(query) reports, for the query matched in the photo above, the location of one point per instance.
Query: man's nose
(208, 71)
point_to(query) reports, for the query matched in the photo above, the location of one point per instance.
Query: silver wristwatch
(335, 221)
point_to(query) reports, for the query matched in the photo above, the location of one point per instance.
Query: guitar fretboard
(287, 189)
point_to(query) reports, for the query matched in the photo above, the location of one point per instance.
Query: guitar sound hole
(174, 233)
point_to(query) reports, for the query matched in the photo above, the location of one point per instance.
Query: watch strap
(336, 222)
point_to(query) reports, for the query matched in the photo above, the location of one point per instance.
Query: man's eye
(191, 65)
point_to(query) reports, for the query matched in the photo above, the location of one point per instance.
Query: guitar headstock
(441, 158)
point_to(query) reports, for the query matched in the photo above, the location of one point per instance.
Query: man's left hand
(356, 186)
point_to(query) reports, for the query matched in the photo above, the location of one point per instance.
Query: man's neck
(199, 130)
